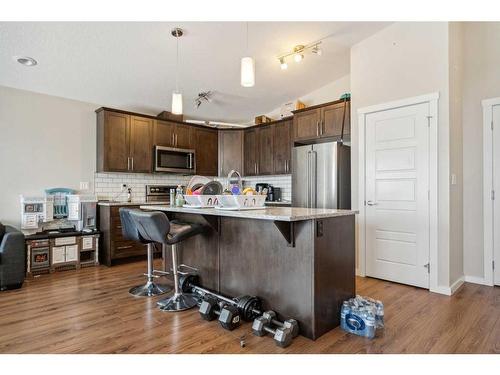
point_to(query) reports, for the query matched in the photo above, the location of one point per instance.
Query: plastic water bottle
(179, 198)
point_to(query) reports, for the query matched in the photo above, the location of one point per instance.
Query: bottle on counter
(129, 195)
(179, 197)
(172, 197)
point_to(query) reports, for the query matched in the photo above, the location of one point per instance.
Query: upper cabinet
(205, 143)
(230, 151)
(172, 134)
(282, 147)
(324, 121)
(124, 142)
(267, 149)
(251, 152)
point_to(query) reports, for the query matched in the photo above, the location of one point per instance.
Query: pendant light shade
(247, 72)
(177, 103)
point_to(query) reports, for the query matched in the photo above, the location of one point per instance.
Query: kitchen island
(300, 261)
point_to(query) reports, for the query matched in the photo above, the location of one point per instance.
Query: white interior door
(496, 188)
(397, 195)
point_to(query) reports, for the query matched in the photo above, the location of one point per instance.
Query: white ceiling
(131, 65)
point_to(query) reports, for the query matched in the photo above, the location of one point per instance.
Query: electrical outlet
(453, 179)
(84, 185)
(124, 186)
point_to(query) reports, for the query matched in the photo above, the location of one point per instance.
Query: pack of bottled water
(362, 316)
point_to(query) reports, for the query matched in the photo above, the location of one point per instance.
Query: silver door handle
(308, 203)
(176, 140)
(371, 203)
(314, 201)
(132, 163)
(317, 128)
(128, 163)
(286, 166)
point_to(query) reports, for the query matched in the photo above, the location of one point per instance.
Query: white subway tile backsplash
(109, 185)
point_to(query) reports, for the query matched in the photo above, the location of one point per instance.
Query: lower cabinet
(64, 254)
(113, 245)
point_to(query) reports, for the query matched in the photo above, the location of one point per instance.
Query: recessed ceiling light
(25, 60)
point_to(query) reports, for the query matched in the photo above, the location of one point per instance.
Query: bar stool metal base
(150, 289)
(178, 302)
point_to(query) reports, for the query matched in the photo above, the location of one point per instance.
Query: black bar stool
(131, 232)
(155, 226)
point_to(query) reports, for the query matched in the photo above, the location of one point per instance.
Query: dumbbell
(283, 334)
(229, 316)
(248, 306)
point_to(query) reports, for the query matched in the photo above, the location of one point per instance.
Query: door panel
(141, 147)
(496, 187)
(282, 147)
(182, 136)
(164, 133)
(250, 152)
(332, 117)
(116, 142)
(266, 150)
(397, 184)
(230, 151)
(206, 145)
(306, 124)
(300, 176)
(325, 194)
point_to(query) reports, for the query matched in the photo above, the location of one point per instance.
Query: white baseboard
(448, 291)
(476, 280)
(457, 284)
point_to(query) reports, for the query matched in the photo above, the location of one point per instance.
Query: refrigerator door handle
(308, 202)
(314, 162)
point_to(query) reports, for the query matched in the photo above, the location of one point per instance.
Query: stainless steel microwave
(175, 160)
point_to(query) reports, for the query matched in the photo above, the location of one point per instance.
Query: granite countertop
(267, 213)
(278, 203)
(133, 203)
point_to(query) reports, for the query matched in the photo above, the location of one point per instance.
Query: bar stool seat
(131, 232)
(155, 226)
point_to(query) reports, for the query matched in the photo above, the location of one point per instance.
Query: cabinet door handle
(132, 163)
(176, 139)
(124, 247)
(128, 163)
(317, 128)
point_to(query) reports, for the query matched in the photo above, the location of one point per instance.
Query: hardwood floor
(90, 311)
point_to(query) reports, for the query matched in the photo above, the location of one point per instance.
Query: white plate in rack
(235, 208)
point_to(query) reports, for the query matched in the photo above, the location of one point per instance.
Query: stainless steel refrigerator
(321, 176)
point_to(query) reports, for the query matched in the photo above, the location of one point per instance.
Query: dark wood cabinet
(265, 163)
(322, 121)
(332, 117)
(251, 152)
(205, 142)
(230, 151)
(141, 148)
(164, 133)
(306, 124)
(282, 147)
(113, 245)
(171, 134)
(123, 142)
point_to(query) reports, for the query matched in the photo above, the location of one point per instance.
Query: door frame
(488, 105)
(432, 99)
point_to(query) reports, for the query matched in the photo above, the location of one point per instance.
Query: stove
(159, 193)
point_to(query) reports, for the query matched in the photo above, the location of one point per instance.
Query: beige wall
(456, 146)
(45, 142)
(330, 92)
(481, 81)
(401, 61)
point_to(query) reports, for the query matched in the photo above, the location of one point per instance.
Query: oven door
(175, 160)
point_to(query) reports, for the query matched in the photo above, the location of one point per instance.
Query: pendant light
(247, 69)
(176, 95)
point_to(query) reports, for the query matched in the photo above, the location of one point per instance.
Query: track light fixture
(299, 52)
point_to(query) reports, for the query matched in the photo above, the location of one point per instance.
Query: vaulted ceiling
(131, 65)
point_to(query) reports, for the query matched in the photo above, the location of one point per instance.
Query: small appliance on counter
(159, 193)
(273, 193)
